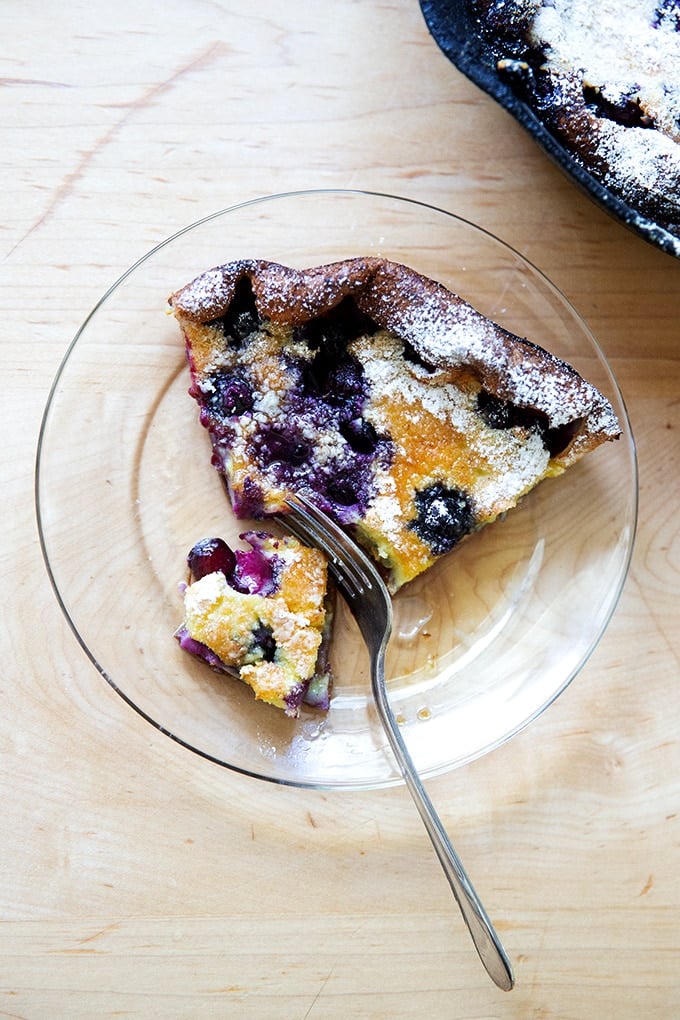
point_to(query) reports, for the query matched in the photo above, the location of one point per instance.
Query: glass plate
(482, 643)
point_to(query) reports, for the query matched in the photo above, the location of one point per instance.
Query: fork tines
(351, 568)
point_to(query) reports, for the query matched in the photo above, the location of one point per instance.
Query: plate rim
(396, 779)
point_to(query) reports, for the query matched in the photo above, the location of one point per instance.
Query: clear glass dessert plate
(482, 643)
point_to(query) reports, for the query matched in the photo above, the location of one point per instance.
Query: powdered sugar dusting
(615, 44)
(397, 411)
(205, 295)
(638, 160)
(629, 52)
(511, 464)
(451, 333)
(442, 327)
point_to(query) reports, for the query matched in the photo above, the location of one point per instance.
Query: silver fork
(369, 601)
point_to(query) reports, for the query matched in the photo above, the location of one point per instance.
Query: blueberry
(256, 573)
(209, 555)
(280, 446)
(497, 413)
(249, 501)
(264, 642)
(241, 317)
(360, 434)
(332, 372)
(412, 355)
(230, 395)
(314, 374)
(337, 327)
(346, 382)
(343, 488)
(443, 516)
(334, 378)
(502, 414)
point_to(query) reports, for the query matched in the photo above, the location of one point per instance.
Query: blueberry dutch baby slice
(404, 413)
(262, 613)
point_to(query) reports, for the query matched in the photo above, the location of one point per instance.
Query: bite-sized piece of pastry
(390, 402)
(264, 614)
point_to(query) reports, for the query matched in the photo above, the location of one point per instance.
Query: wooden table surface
(140, 880)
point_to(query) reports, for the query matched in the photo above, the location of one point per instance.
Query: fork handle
(484, 936)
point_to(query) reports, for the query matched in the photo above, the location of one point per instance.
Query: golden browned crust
(445, 331)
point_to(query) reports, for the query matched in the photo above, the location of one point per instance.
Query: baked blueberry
(284, 445)
(225, 395)
(503, 414)
(443, 516)
(335, 328)
(264, 642)
(241, 318)
(209, 555)
(360, 434)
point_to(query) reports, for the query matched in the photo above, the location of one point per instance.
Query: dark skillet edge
(455, 30)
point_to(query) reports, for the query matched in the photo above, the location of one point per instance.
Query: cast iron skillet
(456, 31)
